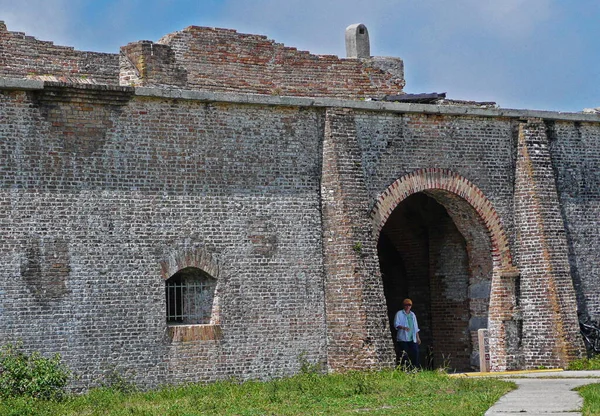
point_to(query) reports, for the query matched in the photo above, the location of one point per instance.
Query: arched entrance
(441, 243)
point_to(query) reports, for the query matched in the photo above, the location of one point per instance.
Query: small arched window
(189, 295)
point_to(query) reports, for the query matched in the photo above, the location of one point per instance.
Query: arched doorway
(424, 256)
(441, 243)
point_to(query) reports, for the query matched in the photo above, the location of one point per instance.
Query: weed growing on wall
(116, 381)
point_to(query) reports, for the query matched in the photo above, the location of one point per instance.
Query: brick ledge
(245, 98)
(200, 332)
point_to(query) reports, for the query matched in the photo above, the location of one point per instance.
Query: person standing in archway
(407, 336)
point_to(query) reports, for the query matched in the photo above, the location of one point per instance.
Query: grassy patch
(369, 393)
(585, 364)
(591, 399)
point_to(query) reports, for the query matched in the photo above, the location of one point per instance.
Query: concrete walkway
(542, 392)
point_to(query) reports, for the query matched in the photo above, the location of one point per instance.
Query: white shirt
(401, 320)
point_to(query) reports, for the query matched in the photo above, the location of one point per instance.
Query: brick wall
(106, 192)
(224, 60)
(89, 216)
(357, 334)
(576, 164)
(449, 296)
(394, 144)
(446, 276)
(548, 299)
(201, 58)
(24, 56)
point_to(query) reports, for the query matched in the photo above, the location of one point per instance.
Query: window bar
(185, 302)
(168, 303)
(176, 303)
(178, 311)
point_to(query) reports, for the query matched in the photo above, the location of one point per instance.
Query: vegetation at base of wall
(114, 380)
(585, 364)
(389, 392)
(31, 375)
(591, 399)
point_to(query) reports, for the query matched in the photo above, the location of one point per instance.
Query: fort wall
(575, 150)
(88, 217)
(210, 59)
(24, 56)
(107, 190)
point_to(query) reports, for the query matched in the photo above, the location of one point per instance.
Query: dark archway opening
(424, 256)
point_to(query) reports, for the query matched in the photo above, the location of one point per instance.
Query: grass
(589, 392)
(591, 399)
(586, 364)
(370, 393)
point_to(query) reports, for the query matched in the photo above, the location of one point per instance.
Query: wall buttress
(550, 335)
(357, 333)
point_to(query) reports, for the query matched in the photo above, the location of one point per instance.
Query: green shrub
(31, 375)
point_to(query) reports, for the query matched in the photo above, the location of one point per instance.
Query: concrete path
(543, 392)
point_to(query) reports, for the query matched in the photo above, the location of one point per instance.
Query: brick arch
(445, 179)
(502, 311)
(189, 257)
(179, 259)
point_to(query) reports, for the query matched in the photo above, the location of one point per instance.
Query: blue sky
(538, 54)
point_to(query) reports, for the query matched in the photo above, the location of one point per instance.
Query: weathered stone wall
(87, 223)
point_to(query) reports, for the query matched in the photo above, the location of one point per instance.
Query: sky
(534, 54)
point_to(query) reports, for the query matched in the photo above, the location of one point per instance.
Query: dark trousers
(407, 352)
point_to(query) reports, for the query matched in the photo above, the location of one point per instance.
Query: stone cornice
(276, 100)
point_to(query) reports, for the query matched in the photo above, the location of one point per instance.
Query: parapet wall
(208, 59)
(24, 56)
(224, 60)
